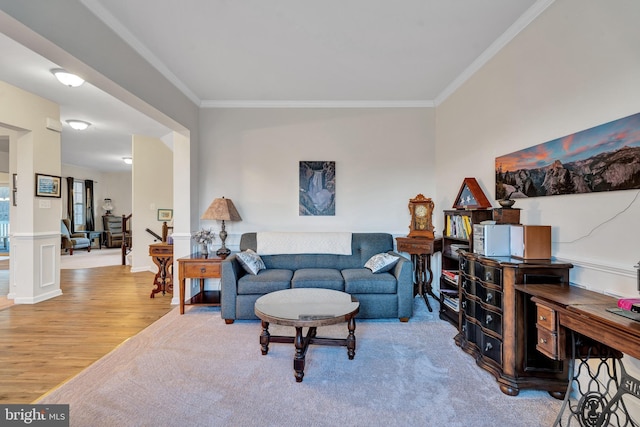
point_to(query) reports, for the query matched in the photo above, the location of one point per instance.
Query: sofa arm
(403, 272)
(230, 272)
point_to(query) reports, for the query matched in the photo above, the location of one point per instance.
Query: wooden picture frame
(471, 196)
(48, 185)
(165, 214)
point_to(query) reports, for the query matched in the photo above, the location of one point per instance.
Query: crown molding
(532, 13)
(317, 104)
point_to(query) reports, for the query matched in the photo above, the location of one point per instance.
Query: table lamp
(222, 209)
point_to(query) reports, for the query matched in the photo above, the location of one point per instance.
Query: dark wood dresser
(497, 323)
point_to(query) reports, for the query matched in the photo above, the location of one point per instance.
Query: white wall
(575, 67)
(118, 187)
(153, 188)
(384, 157)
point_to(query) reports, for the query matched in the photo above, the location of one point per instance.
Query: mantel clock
(421, 211)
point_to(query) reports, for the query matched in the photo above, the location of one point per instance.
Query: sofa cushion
(363, 281)
(250, 261)
(265, 281)
(381, 263)
(327, 278)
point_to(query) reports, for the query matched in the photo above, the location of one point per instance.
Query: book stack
(451, 275)
(450, 298)
(458, 226)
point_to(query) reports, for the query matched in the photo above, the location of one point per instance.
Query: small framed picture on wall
(47, 185)
(165, 214)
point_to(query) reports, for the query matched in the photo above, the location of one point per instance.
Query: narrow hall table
(162, 256)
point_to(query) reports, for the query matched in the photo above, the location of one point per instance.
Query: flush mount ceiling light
(78, 124)
(127, 160)
(67, 78)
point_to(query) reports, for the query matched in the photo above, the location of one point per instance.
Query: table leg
(593, 378)
(264, 338)
(299, 359)
(421, 277)
(182, 286)
(351, 339)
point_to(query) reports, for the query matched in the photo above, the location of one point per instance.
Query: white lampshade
(67, 78)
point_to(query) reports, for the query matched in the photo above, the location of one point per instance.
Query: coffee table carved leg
(351, 339)
(298, 361)
(264, 337)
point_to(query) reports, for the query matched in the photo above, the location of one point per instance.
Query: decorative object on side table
(107, 206)
(222, 209)
(204, 238)
(421, 211)
(471, 196)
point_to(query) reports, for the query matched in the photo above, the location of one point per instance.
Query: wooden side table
(199, 266)
(162, 256)
(421, 249)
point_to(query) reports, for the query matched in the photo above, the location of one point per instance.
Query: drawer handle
(488, 276)
(464, 328)
(489, 297)
(489, 319)
(488, 347)
(203, 269)
(464, 304)
(543, 317)
(543, 341)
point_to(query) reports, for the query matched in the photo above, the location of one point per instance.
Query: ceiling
(300, 53)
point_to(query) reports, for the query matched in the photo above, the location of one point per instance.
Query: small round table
(307, 308)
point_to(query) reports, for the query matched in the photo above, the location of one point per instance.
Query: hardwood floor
(45, 344)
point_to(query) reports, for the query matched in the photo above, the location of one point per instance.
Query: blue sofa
(381, 295)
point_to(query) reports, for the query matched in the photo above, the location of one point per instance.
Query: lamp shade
(222, 209)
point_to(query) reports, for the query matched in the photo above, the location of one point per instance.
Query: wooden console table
(421, 249)
(162, 256)
(199, 266)
(578, 325)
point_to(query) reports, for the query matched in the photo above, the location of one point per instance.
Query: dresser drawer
(490, 320)
(468, 285)
(547, 343)
(546, 317)
(202, 270)
(417, 246)
(488, 274)
(489, 296)
(551, 337)
(492, 348)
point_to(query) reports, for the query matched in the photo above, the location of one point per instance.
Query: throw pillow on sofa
(250, 261)
(381, 263)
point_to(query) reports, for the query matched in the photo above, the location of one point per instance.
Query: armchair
(113, 231)
(71, 241)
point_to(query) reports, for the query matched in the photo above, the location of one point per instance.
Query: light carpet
(194, 370)
(96, 258)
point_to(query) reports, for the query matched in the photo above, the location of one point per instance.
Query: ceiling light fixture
(67, 78)
(78, 124)
(127, 160)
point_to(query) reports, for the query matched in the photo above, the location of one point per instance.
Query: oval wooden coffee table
(307, 308)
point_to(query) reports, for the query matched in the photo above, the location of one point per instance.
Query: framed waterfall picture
(317, 188)
(47, 185)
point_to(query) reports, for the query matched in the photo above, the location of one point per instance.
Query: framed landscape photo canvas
(47, 185)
